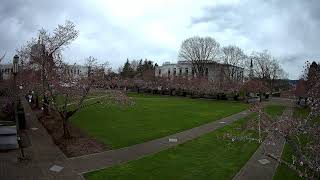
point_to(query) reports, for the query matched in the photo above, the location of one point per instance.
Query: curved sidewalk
(45, 159)
(106, 159)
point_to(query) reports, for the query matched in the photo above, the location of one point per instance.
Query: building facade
(74, 70)
(213, 71)
(77, 70)
(5, 71)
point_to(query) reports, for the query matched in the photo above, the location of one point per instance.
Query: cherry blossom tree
(300, 90)
(255, 86)
(302, 134)
(45, 53)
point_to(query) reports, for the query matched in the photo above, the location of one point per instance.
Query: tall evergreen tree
(127, 70)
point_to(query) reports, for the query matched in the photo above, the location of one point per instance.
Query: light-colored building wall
(213, 71)
(78, 70)
(75, 70)
(5, 71)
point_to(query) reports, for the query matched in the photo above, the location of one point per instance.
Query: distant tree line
(141, 69)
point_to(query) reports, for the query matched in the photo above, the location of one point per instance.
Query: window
(186, 71)
(174, 71)
(169, 72)
(207, 71)
(180, 71)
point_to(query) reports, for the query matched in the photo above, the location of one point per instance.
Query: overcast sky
(154, 29)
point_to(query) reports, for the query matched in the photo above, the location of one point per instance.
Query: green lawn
(284, 172)
(208, 157)
(274, 110)
(151, 117)
(300, 112)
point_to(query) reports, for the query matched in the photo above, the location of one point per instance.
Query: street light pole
(15, 70)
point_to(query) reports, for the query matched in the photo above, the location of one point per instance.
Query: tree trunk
(66, 130)
(260, 97)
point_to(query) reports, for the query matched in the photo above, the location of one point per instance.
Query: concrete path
(260, 166)
(102, 160)
(43, 155)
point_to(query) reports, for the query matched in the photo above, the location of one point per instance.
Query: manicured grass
(284, 172)
(209, 157)
(300, 112)
(151, 117)
(274, 110)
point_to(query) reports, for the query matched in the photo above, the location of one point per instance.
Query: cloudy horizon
(116, 30)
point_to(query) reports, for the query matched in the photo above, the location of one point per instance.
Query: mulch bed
(79, 144)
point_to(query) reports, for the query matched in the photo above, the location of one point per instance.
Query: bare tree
(261, 64)
(266, 68)
(235, 57)
(2, 57)
(199, 51)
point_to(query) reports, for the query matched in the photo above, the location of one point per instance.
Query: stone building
(77, 70)
(213, 71)
(74, 70)
(5, 71)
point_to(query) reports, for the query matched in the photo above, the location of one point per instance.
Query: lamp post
(15, 70)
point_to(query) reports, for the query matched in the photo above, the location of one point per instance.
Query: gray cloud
(288, 28)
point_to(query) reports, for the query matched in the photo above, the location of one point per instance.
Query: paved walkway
(43, 154)
(260, 166)
(102, 160)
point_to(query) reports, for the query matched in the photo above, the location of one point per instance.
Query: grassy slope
(283, 172)
(151, 117)
(208, 157)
